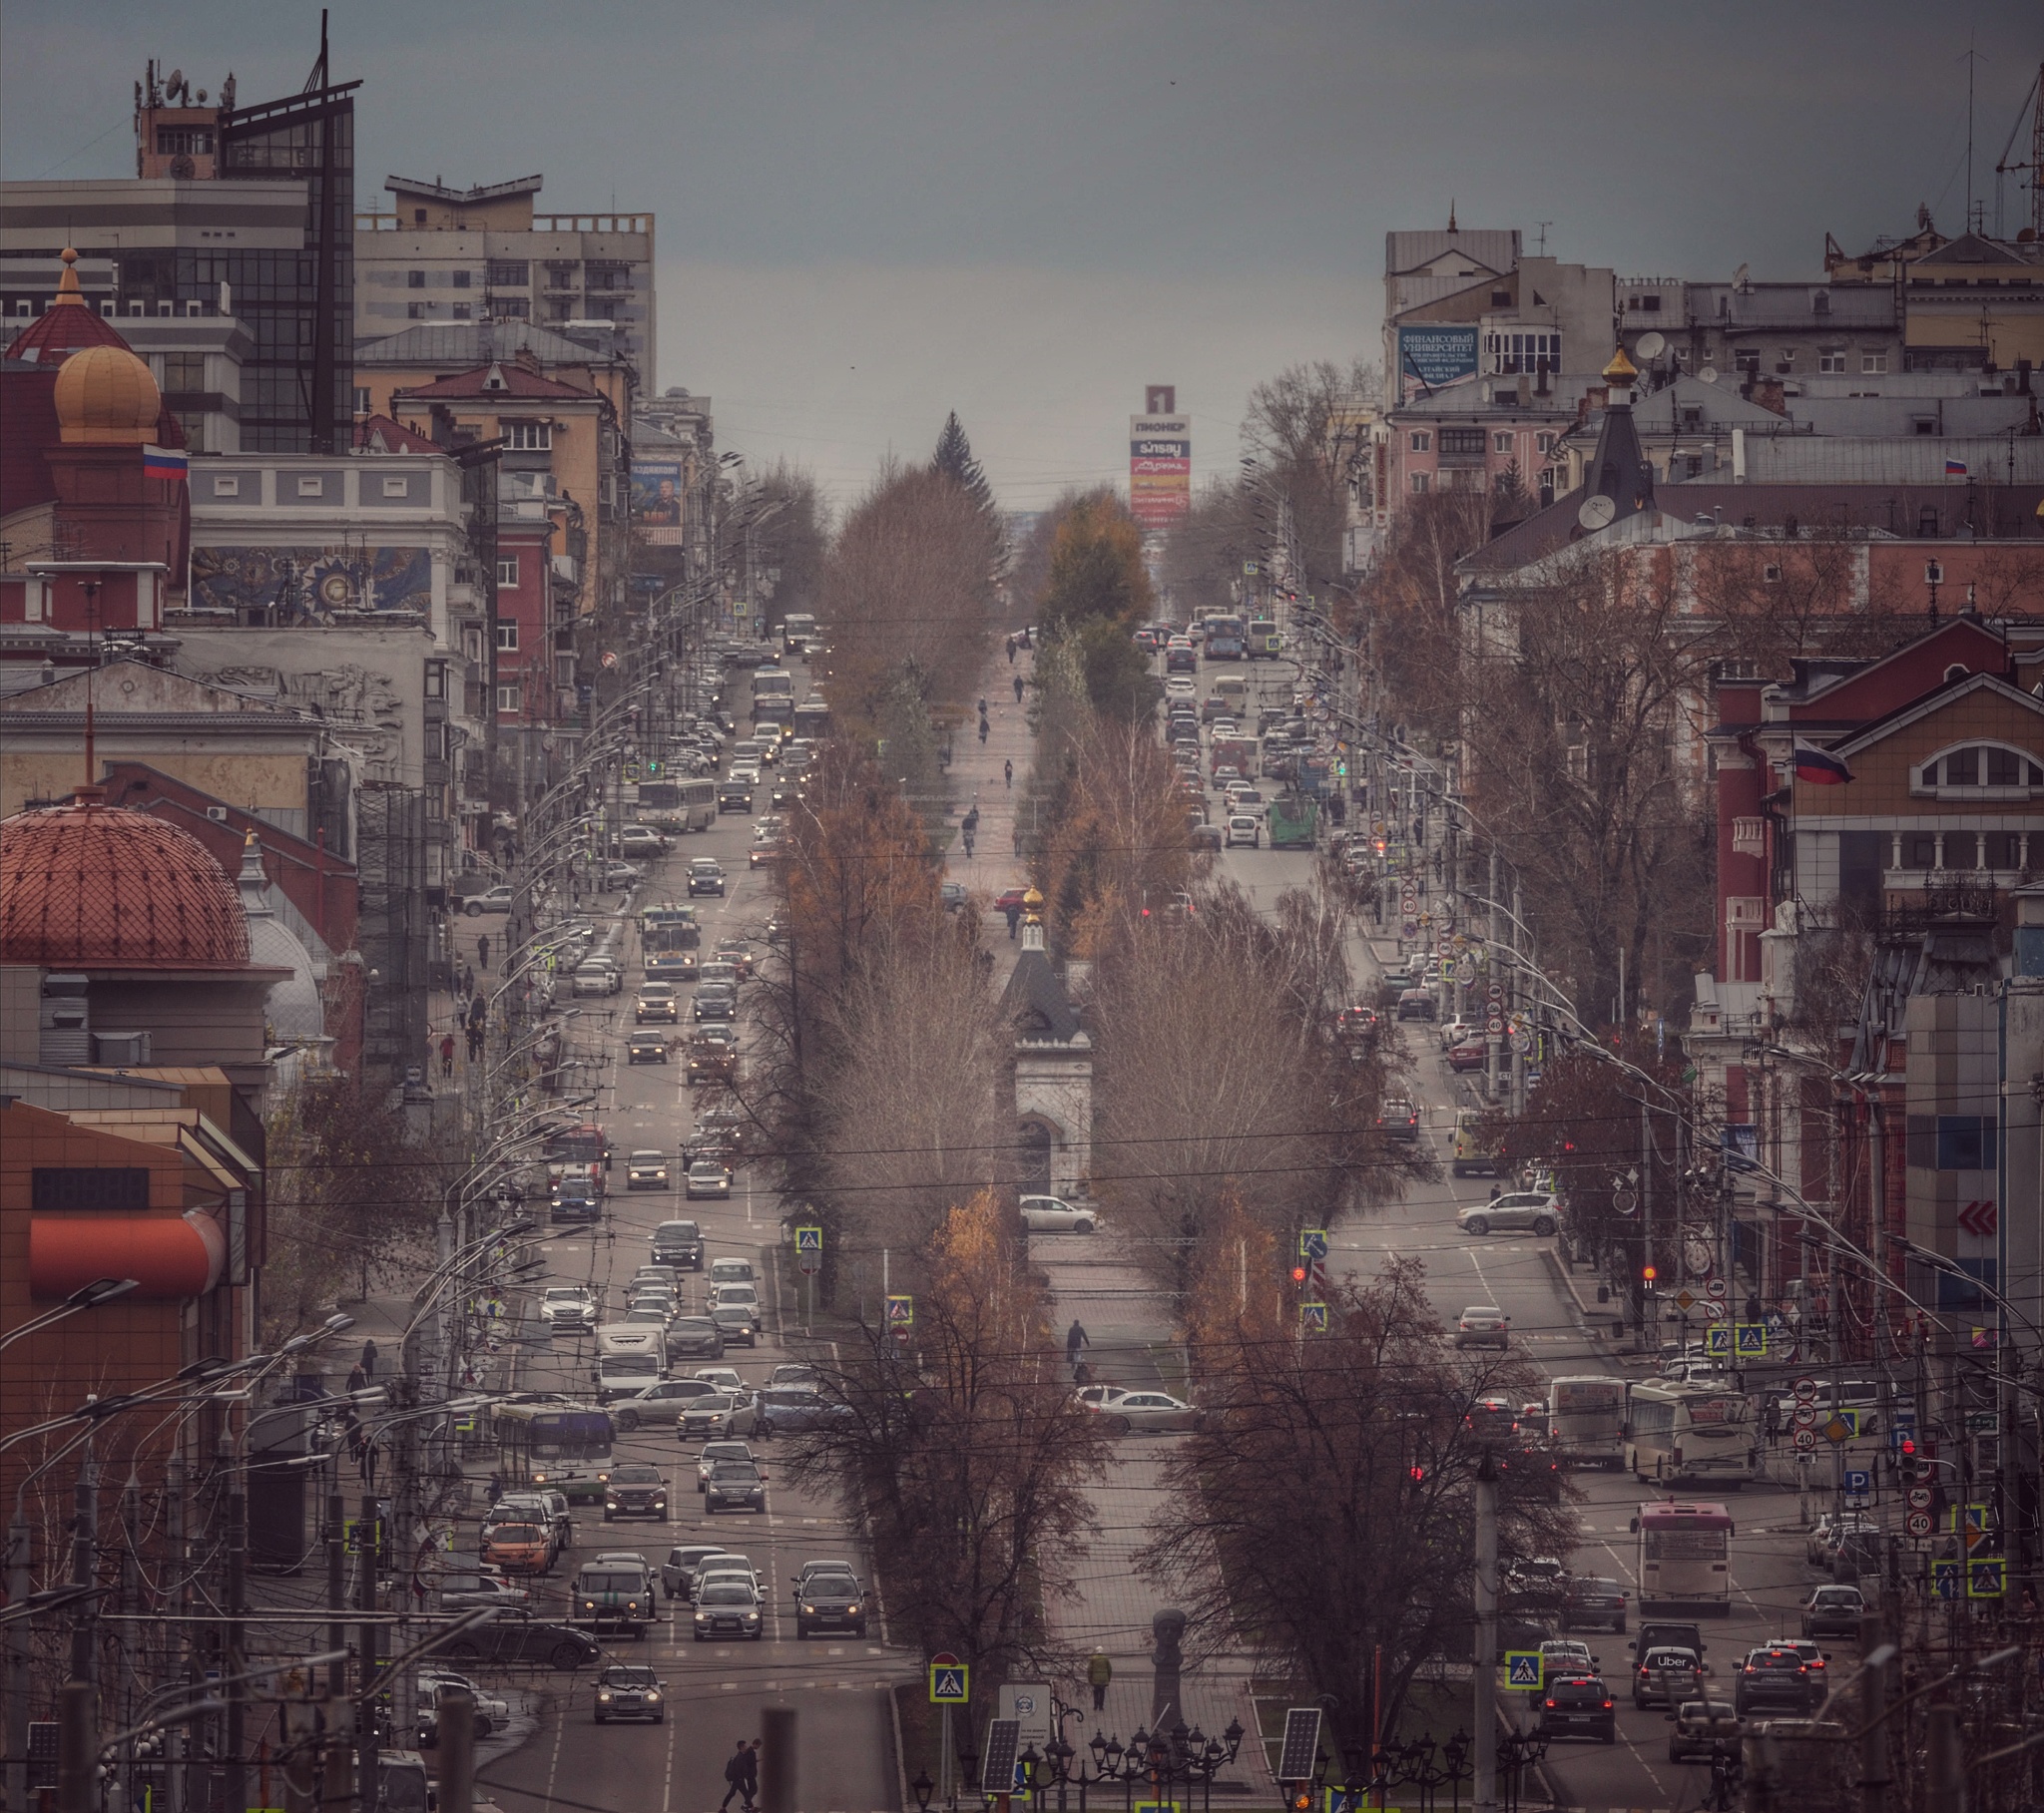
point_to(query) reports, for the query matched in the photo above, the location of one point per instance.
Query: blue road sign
(1986, 1577)
(1312, 1243)
(1313, 1318)
(948, 1683)
(900, 1312)
(1947, 1580)
(1718, 1340)
(1522, 1670)
(1752, 1340)
(808, 1239)
(1858, 1479)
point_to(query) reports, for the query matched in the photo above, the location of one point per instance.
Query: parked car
(1469, 1055)
(1531, 1211)
(1053, 1216)
(490, 900)
(1483, 1325)
(629, 1690)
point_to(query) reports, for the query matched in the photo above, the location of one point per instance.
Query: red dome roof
(85, 886)
(68, 325)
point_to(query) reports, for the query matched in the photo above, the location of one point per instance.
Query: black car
(735, 1485)
(735, 1322)
(512, 1638)
(695, 1338)
(717, 1001)
(678, 1244)
(1593, 1605)
(1775, 1680)
(574, 1211)
(635, 1489)
(1579, 1705)
(830, 1601)
(629, 1690)
(735, 797)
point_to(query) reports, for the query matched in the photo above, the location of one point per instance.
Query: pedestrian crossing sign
(1752, 1339)
(1522, 1670)
(1986, 1577)
(808, 1239)
(951, 1683)
(1718, 1340)
(1946, 1581)
(1313, 1318)
(900, 1312)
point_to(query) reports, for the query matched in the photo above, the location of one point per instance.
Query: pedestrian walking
(1014, 919)
(982, 732)
(966, 836)
(467, 982)
(482, 953)
(734, 1775)
(357, 1379)
(1099, 1672)
(982, 704)
(475, 1043)
(1074, 1338)
(751, 1781)
(1011, 651)
(1018, 688)
(1008, 775)
(447, 1054)
(369, 1360)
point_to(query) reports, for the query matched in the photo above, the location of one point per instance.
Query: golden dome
(106, 397)
(1621, 370)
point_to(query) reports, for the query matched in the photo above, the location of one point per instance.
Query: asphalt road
(715, 1691)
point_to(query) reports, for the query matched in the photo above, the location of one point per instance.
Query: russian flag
(170, 463)
(1819, 766)
(1954, 468)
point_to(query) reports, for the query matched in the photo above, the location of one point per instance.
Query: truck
(1293, 821)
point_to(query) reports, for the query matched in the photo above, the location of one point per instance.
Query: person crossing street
(1099, 1672)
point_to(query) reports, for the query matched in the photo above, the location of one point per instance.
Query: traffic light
(1648, 1274)
(1299, 1274)
(1908, 1463)
(1418, 1473)
(652, 764)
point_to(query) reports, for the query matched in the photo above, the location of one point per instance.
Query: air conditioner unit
(218, 814)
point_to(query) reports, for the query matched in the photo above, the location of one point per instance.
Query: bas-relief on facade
(308, 584)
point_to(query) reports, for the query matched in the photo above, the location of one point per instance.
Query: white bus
(1685, 1557)
(1697, 1433)
(1586, 1420)
(797, 629)
(678, 805)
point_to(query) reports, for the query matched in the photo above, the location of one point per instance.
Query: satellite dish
(1652, 345)
(176, 79)
(1597, 512)
(1708, 374)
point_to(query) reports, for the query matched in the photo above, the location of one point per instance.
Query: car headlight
(651, 1696)
(808, 1610)
(609, 1504)
(589, 1604)
(702, 1617)
(604, 1698)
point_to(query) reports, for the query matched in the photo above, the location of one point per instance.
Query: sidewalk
(977, 780)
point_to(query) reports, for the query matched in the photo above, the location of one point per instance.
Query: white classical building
(1053, 1070)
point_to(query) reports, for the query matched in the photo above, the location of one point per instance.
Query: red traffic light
(1908, 1447)
(1299, 1274)
(1418, 1474)
(1649, 1273)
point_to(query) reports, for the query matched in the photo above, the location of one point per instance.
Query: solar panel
(997, 1763)
(1301, 1749)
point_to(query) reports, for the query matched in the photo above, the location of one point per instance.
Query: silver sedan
(1149, 1413)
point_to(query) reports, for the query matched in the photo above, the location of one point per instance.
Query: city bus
(1586, 1420)
(678, 805)
(1685, 1557)
(668, 927)
(1694, 1433)
(1260, 641)
(797, 629)
(813, 719)
(1224, 637)
(564, 1447)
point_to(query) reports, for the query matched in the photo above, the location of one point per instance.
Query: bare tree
(1308, 428)
(1324, 1513)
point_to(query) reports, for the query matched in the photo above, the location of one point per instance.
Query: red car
(1010, 897)
(1471, 1055)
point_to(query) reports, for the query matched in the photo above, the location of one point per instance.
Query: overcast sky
(874, 211)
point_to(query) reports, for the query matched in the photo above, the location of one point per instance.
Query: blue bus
(1224, 639)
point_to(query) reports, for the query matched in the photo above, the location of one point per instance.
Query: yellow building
(1971, 303)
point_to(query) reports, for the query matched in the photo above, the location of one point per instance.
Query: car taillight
(1606, 1706)
(1550, 1705)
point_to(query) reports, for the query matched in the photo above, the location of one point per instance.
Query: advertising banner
(1159, 468)
(656, 500)
(1430, 358)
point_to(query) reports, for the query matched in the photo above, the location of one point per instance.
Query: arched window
(1980, 771)
(1037, 1141)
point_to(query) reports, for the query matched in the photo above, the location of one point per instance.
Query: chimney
(2022, 377)
(1768, 394)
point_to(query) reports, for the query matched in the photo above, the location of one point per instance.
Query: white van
(631, 1337)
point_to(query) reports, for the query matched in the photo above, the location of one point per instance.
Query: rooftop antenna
(1543, 226)
(1972, 60)
(318, 78)
(2035, 166)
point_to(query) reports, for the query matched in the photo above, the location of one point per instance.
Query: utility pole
(237, 1607)
(455, 1735)
(85, 1559)
(368, 1535)
(776, 1760)
(1944, 1760)
(77, 1740)
(1873, 1706)
(1484, 1789)
(20, 1583)
(1650, 1300)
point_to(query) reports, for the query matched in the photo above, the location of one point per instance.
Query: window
(461, 311)
(184, 141)
(1772, 573)
(559, 277)
(1544, 442)
(1873, 364)
(511, 696)
(1991, 765)
(1422, 441)
(511, 308)
(512, 274)
(436, 680)
(1421, 482)
(461, 278)
(397, 487)
(1830, 361)
(414, 279)
(1748, 360)
(2003, 850)
(415, 310)
(1965, 1141)
(507, 633)
(1920, 850)
(184, 371)
(529, 437)
(363, 403)
(507, 574)
(1461, 441)
(1507, 351)
(1500, 442)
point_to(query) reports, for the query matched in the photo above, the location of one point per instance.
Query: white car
(1053, 1216)
(1180, 685)
(568, 1307)
(725, 1378)
(737, 1297)
(1243, 832)
(1453, 1032)
(490, 900)
(1244, 799)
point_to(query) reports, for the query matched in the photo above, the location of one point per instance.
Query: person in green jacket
(1099, 1672)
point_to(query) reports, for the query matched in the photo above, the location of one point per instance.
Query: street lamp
(86, 1297)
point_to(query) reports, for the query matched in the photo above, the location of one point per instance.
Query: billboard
(1160, 465)
(1430, 359)
(656, 500)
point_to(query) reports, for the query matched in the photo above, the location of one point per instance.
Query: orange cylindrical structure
(168, 1255)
